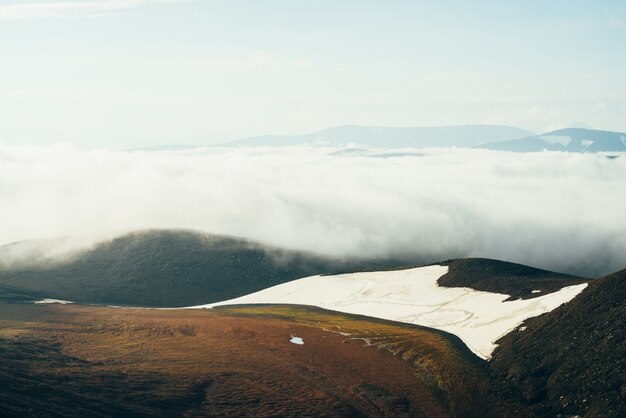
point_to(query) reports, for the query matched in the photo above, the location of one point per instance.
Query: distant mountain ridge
(569, 139)
(492, 137)
(392, 137)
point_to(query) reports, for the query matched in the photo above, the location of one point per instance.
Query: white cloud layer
(552, 210)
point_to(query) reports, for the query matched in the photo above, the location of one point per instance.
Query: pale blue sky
(129, 73)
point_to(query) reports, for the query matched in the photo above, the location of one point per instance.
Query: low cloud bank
(558, 211)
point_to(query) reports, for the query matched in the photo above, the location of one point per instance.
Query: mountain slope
(413, 296)
(569, 139)
(516, 280)
(571, 361)
(166, 268)
(444, 136)
(172, 268)
(89, 361)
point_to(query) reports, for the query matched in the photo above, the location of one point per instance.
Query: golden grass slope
(237, 361)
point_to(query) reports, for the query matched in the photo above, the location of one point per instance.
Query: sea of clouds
(560, 211)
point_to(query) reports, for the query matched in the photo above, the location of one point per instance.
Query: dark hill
(571, 361)
(516, 280)
(168, 268)
(172, 268)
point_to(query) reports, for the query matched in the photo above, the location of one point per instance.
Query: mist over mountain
(312, 209)
(569, 139)
(556, 211)
(391, 137)
(161, 268)
(182, 268)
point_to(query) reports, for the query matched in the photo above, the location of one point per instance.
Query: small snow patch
(536, 291)
(586, 143)
(522, 328)
(46, 301)
(296, 340)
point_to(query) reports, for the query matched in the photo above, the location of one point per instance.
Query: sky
(131, 73)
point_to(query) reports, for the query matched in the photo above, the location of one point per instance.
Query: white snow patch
(586, 143)
(47, 301)
(296, 340)
(413, 296)
(536, 291)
